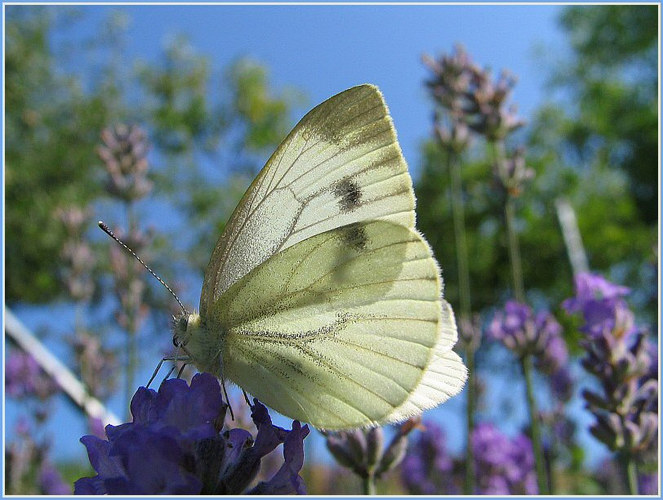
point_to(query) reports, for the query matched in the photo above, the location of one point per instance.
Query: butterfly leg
(246, 398)
(225, 393)
(179, 373)
(167, 358)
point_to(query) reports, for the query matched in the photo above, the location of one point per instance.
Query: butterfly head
(183, 327)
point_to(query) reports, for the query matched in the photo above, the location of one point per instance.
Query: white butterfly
(321, 299)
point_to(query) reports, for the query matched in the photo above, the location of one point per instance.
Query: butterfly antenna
(110, 233)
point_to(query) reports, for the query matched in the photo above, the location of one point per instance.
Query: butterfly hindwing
(344, 329)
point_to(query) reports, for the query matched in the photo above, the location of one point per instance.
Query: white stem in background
(71, 386)
(571, 233)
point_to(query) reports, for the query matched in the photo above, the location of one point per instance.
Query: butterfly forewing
(341, 164)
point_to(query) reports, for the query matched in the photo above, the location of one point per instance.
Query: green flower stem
(519, 295)
(458, 212)
(534, 422)
(514, 250)
(630, 473)
(368, 484)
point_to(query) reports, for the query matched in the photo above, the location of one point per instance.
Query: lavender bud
(337, 447)
(393, 455)
(374, 443)
(123, 152)
(469, 332)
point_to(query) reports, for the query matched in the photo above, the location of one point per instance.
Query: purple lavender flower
(524, 333)
(25, 378)
(174, 445)
(648, 484)
(561, 384)
(362, 451)
(50, 481)
(487, 112)
(512, 173)
(29, 469)
(601, 305)
(619, 357)
(449, 86)
(96, 363)
(78, 259)
(427, 467)
(124, 152)
(590, 287)
(504, 466)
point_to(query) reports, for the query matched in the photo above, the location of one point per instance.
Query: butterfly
(321, 299)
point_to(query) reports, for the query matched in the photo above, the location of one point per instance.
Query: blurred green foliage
(194, 117)
(51, 127)
(596, 147)
(613, 80)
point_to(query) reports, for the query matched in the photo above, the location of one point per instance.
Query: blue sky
(323, 50)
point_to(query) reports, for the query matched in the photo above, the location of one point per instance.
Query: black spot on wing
(354, 235)
(348, 193)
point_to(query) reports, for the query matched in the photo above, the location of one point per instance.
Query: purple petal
(98, 452)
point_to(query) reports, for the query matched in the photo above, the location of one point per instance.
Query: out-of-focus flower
(28, 468)
(512, 173)
(593, 287)
(124, 152)
(527, 334)
(503, 466)
(427, 467)
(174, 445)
(51, 482)
(561, 384)
(130, 286)
(97, 363)
(652, 350)
(619, 357)
(25, 378)
(78, 258)
(601, 304)
(469, 333)
(452, 75)
(648, 484)
(362, 451)
(449, 86)
(486, 109)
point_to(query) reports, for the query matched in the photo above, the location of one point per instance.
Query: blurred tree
(211, 132)
(597, 147)
(52, 125)
(603, 135)
(613, 79)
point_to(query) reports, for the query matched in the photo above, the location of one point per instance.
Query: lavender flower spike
(525, 333)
